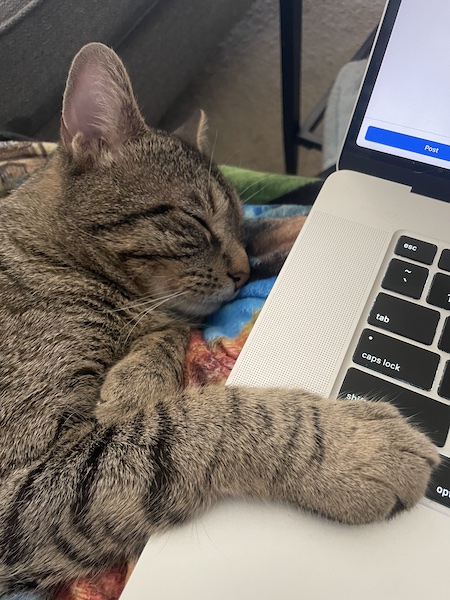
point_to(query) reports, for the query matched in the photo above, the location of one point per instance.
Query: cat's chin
(199, 309)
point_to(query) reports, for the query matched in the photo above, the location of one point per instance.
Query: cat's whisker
(226, 162)
(84, 232)
(166, 296)
(151, 309)
(211, 159)
(144, 314)
(256, 193)
(169, 297)
(254, 183)
(144, 302)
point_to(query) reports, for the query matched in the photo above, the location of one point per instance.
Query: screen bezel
(423, 178)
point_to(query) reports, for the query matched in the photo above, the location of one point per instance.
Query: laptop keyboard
(404, 350)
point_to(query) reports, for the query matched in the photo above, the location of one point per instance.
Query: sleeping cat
(107, 257)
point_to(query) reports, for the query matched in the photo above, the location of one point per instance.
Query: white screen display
(408, 114)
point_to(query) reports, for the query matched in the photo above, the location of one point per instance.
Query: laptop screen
(402, 118)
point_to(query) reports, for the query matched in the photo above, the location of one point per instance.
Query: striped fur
(107, 257)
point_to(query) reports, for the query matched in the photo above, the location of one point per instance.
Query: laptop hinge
(437, 191)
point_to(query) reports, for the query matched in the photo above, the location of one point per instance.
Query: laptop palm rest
(260, 552)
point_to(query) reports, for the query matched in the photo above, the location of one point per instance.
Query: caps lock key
(397, 359)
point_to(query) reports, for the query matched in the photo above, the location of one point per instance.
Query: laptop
(361, 307)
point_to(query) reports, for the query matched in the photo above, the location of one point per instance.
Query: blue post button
(408, 142)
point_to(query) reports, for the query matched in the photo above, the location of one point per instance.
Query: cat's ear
(195, 131)
(99, 111)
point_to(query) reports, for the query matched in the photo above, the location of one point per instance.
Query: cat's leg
(152, 369)
(102, 491)
(351, 461)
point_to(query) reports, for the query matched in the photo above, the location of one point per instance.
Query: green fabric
(256, 187)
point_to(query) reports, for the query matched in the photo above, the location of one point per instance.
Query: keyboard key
(444, 261)
(405, 278)
(396, 359)
(444, 342)
(417, 250)
(431, 416)
(439, 487)
(439, 294)
(444, 386)
(404, 318)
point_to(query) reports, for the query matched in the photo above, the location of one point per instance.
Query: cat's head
(151, 204)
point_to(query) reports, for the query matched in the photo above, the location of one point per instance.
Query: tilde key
(405, 278)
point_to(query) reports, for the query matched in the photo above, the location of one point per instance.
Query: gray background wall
(240, 88)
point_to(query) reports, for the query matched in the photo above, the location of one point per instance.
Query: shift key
(396, 359)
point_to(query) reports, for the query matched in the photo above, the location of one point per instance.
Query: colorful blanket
(212, 351)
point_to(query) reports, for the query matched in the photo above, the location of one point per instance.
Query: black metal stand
(295, 134)
(291, 44)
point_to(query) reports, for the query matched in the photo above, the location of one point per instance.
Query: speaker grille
(307, 322)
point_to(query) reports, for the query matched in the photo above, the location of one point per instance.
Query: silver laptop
(361, 307)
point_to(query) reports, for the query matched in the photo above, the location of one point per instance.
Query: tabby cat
(107, 257)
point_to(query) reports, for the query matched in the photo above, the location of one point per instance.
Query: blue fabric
(229, 320)
(275, 211)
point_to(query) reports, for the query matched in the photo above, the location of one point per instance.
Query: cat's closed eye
(206, 229)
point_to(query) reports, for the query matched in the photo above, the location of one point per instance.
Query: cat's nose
(239, 269)
(239, 279)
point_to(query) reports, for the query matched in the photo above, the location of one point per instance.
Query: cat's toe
(115, 395)
(414, 460)
(401, 462)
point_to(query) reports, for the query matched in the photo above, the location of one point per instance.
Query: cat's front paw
(130, 386)
(375, 464)
(116, 395)
(125, 390)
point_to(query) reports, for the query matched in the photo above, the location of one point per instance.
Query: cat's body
(99, 448)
